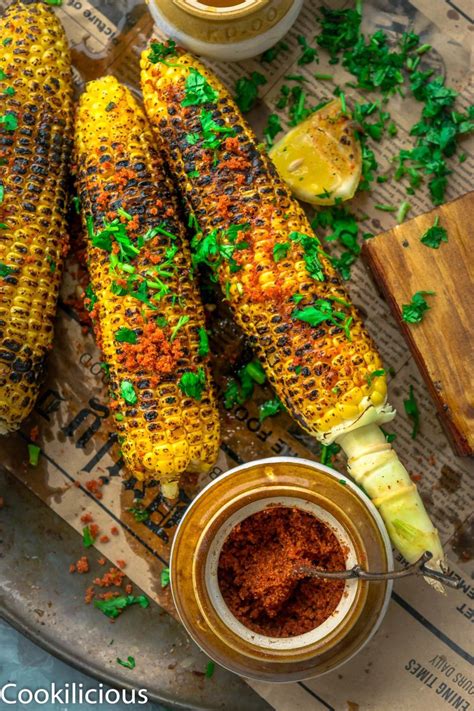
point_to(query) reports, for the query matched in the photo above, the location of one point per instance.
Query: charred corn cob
(148, 317)
(282, 288)
(35, 141)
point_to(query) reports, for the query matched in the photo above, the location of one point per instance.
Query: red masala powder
(256, 572)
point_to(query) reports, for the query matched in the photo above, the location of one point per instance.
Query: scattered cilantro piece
(375, 374)
(160, 51)
(415, 310)
(90, 297)
(33, 454)
(165, 577)
(340, 29)
(280, 250)
(272, 128)
(7, 41)
(139, 513)
(193, 384)
(247, 91)
(236, 392)
(389, 436)
(344, 230)
(403, 211)
(87, 538)
(210, 669)
(269, 408)
(56, 3)
(128, 664)
(76, 203)
(182, 321)
(324, 77)
(322, 311)
(198, 90)
(5, 270)
(328, 452)
(9, 91)
(411, 409)
(308, 54)
(9, 121)
(128, 393)
(203, 348)
(385, 208)
(2, 193)
(312, 251)
(270, 54)
(434, 235)
(113, 607)
(125, 335)
(219, 245)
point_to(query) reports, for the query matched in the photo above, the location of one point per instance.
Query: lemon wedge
(320, 159)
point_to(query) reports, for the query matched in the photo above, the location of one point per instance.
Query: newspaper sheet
(420, 657)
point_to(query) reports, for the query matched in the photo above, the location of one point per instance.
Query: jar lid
(234, 496)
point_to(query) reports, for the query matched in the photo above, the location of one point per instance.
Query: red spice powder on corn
(257, 578)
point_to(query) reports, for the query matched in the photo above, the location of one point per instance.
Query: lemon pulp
(320, 159)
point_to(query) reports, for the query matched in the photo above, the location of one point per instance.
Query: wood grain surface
(443, 343)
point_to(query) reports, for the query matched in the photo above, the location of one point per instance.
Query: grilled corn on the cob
(35, 141)
(148, 317)
(283, 289)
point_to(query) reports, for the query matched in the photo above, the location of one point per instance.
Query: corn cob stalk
(283, 290)
(35, 141)
(148, 317)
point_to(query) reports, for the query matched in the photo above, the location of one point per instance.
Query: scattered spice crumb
(114, 531)
(86, 518)
(34, 433)
(121, 564)
(72, 568)
(89, 595)
(104, 539)
(94, 529)
(94, 487)
(101, 561)
(128, 589)
(82, 565)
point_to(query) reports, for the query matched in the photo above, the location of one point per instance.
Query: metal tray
(40, 599)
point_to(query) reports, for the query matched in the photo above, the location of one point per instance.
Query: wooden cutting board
(443, 343)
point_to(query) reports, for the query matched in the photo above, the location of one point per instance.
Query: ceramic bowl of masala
(239, 565)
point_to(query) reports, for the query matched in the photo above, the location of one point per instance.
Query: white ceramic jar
(225, 29)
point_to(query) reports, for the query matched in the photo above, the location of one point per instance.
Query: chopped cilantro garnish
(415, 310)
(160, 51)
(128, 393)
(270, 54)
(128, 664)
(5, 270)
(91, 298)
(328, 452)
(55, 3)
(324, 77)
(113, 607)
(434, 235)
(403, 211)
(203, 348)
(165, 577)
(76, 203)
(9, 121)
(246, 90)
(9, 91)
(411, 409)
(296, 298)
(237, 393)
(272, 128)
(7, 41)
(308, 54)
(389, 436)
(385, 208)
(125, 335)
(340, 30)
(182, 321)
(280, 250)
(269, 409)
(321, 311)
(139, 513)
(33, 454)
(193, 384)
(374, 374)
(2, 193)
(87, 538)
(210, 668)
(213, 248)
(198, 90)
(312, 251)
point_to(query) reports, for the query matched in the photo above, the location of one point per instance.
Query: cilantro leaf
(198, 90)
(139, 513)
(160, 51)
(270, 54)
(33, 454)
(312, 250)
(193, 384)
(434, 235)
(308, 54)
(203, 348)
(374, 374)
(246, 90)
(210, 669)
(128, 664)
(280, 250)
(236, 392)
(272, 128)
(165, 577)
(5, 270)
(9, 121)
(113, 607)
(415, 310)
(411, 409)
(125, 335)
(269, 409)
(328, 452)
(128, 393)
(87, 538)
